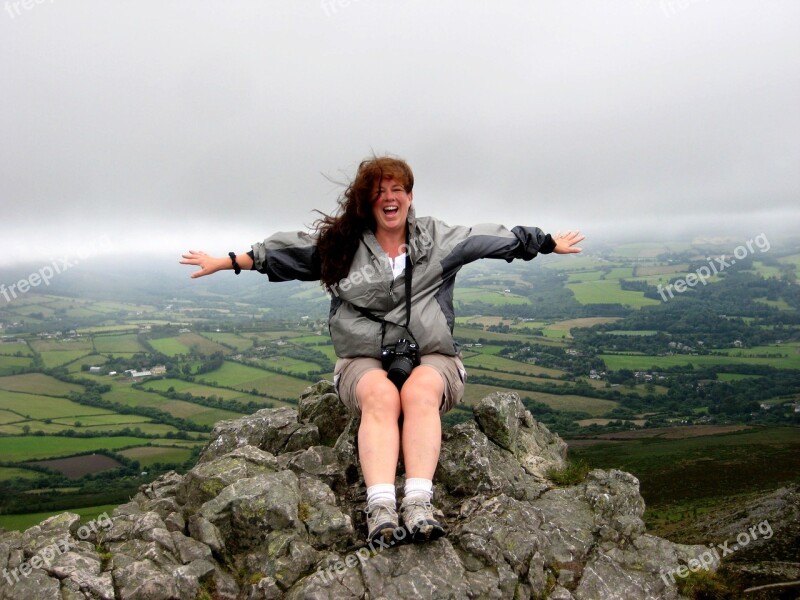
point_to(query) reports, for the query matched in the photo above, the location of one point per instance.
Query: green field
(38, 383)
(500, 363)
(168, 346)
(196, 413)
(34, 447)
(23, 522)
(92, 360)
(14, 348)
(734, 376)
(147, 455)
(7, 473)
(474, 392)
(608, 292)
(197, 389)
(639, 362)
(31, 406)
(469, 335)
(105, 419)
(327, 351)
(291, 365)
(633, 332)
(245, 378)
(229, 339)
(57, 358)
(62, 345)
(12, 364)
(185, 343)
(516, 377)
(582, 276)
(118, 344)
(495, 298)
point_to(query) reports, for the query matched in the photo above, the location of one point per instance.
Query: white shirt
(398, 264)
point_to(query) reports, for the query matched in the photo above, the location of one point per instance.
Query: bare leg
(379, 433)
(420, 398)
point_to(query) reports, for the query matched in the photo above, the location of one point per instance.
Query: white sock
(381, 492)
(418, 488)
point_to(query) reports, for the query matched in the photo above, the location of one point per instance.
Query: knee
(422, 393)
(378, 398)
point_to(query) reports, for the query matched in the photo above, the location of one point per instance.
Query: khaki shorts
(348, 372)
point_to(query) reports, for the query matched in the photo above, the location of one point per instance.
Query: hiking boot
(381, 521)
(419, 520)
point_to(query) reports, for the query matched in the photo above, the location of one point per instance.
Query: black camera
(399, 359)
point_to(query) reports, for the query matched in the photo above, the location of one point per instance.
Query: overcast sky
(164, 125)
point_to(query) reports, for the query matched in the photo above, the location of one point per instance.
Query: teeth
(390, 209)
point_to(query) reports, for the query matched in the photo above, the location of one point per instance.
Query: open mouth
(390, 210)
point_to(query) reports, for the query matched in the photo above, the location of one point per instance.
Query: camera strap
(372, 317)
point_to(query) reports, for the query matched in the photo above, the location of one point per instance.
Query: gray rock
(268, 429)
(143, 580)
(175, 522)
(416, 571)
(318, 461)
(269, 512)
(190, 550)
(470, 463)
(324, 520)
(206, 533)
(164, 486)
(247, 510)
(499, 416)
(207, 479)
(35, 586)
(319, 405)
(190, 577)
(507, 423)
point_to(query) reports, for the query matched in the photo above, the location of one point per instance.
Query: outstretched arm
(210, 264)
(565, 244)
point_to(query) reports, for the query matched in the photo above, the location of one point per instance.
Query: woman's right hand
(208, 264)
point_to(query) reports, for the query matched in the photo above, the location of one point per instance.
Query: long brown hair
(338, 235)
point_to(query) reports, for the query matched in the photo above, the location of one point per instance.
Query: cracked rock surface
(274, 509)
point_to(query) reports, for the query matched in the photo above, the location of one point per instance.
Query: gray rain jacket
(437, 252)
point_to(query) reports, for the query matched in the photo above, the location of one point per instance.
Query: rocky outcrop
(274, 509)
(759, 536)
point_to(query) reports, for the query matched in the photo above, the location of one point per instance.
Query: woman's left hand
(565, 244)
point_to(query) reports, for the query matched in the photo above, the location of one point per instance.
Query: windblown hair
(339, 235)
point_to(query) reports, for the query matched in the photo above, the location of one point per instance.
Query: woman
(391, 276)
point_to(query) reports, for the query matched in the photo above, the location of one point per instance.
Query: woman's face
(390, 206)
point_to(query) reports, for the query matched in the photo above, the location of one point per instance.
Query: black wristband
(236, 268)
(548, 245)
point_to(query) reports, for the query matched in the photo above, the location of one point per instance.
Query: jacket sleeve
(286, 256)
(495, 241)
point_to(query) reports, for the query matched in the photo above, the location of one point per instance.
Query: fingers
(565, 243)
(197, 258)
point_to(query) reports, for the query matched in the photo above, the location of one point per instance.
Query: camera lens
(399, 370)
